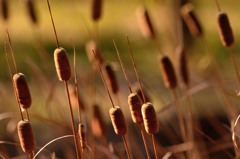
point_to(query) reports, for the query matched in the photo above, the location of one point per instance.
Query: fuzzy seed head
(118, 121)
(225, 30)
(32, 11)
(82, 135)
(4, 9)
(22, 90)
(183, 66)
(135, 105)
(96, 9)
(62, 64)
(149, 118)
(191, 20)
(26, 136)
(97, 122)
(137, 90)
(111, 79)
(145, 23)
(168, 73)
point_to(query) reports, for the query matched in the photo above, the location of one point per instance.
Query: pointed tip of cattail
(32, 11)
(168, 73)
(135, 105)
(96, 9)
(22, 90)
(26, 136)
(225, 30)
(118, 120)
(97, 122)
(150, 118)
(145, 22)
(62, 64)
(111, 78)
(191, 20)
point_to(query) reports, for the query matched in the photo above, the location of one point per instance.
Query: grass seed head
(22, 90)
(62, 64)
(145, 22)
(150, 118)
(191, 20)
(135, 105)
(97, 122)
(96, 9)
(118, 121)
(168, 73)
(111, 79)
(32, 11)
(26, 136)
(225, 30)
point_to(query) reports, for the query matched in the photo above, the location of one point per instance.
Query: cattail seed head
(145, 23)
(183, 66)
(4, 9)
(111, 79)
(82, 135)
(26, 136)
(118, 121)
(97, 122)
(62, 64)
(92, 45)
(22, 90)
(149, 118)
(168, 72)
(135, 105)
(225, 30)
(96, 9)
(32, 11)
(137, 89)
(191, 20)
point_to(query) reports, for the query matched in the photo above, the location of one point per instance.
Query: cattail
(82, 135)
(4, 8)
(191, 20)
(135, 105)
(32, 11)
(62, 64)
(22, 90)
(97, 123)
(96, 9)
(92, 45)
(74, 98)
(111, 79)
(225, 30)
(26, 136)
(149, 118)
(145, 22)
(137, 90)
(168, 72)
(118, 120)
(183, 66)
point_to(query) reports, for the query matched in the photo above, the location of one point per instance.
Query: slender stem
(28, 118)
(103, 79)
(72, 120)
(126, 147)
(144, 141)
(154, 146)
(235, 65)
(218, 5)
(179, 114)
(54, 28)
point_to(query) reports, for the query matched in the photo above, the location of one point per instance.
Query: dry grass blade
(32, 11)
(26, 136)
(191, 20)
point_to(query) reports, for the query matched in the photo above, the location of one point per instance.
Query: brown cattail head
(225, 30)
(118, 121)
(191, 20)
(145, 23)
(4, 9)
(97, 122)
(82, 135)
(74, 98)
(32, 11)
(168, 72)
(135, 105)
(183, 68)
(137, 89)
(26, 136)
(149, 118)
(62, 64)
(110, 77)
(92, 45)
(22, 90)
(96, 9)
